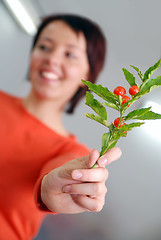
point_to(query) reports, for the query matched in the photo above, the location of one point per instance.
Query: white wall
(14, 54)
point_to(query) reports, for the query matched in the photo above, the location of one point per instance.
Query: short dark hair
(96, 47)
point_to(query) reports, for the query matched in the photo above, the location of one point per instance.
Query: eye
(44, 48)
(70, 55)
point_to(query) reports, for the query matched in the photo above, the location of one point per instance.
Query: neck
(47, 112)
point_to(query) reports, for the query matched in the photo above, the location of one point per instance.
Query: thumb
(87, 161)
(93, 157)
(110, 156)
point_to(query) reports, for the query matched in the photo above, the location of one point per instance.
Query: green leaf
(111, 144)
(111, 105)
(118, 134)
(151, 70)
(120, 99)
(102, 92)
(105, 139)
(129, 77)
(97, 119)
(138, 71)
(150, 116)
(136, 114)
(151, 84)
(129, 127)
(96, 106)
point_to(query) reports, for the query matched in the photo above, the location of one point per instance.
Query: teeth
(49, 75)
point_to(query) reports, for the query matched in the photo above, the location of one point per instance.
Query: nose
(55, 57)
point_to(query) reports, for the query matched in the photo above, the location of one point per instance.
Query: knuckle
(106, 174)
(86, 162)
(98, 188)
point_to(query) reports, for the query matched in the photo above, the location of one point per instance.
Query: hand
(75, 187)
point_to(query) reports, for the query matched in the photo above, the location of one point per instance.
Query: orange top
(27, 147)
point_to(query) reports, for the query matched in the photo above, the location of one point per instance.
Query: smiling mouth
(50, 76)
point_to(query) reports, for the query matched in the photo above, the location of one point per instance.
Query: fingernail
(76, 174)
(102, 161)
(66, 189)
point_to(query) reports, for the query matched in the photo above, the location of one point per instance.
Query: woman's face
(58, 62)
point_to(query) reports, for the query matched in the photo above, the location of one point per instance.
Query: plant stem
(103, 151)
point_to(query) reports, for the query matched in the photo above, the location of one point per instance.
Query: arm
(75, 187)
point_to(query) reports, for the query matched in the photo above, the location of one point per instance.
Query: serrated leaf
(111, 144)
(138, 71)
(105, 139)
(151, 70)
(129, 77)
(111, 105)
(96, 105)
(129, 127)
(136, 114)
(151, 84)
(102, 92)
(97, 119)
(150, 116)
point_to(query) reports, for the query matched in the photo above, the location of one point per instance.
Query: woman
(43, 168)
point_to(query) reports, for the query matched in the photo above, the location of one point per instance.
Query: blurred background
(133, 31)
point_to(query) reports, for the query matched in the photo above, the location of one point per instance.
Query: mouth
(49, 76)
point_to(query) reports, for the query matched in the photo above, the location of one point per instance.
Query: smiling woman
(43, 168)
(95, 47)
(58, 61)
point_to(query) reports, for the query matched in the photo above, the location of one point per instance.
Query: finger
(90, 175)
(93, 189)
(110, 156)
(93, 157)
(90, 204)
(86, 161)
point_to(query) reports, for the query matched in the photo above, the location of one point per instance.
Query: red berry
(116, 122)
(119, 91)
(125, 99)
(133, 90)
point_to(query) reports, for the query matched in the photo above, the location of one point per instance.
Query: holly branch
(119, 101)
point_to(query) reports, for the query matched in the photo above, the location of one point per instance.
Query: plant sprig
(112, 100)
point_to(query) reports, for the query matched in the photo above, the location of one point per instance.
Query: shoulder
(7, 97)
(9, 104)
